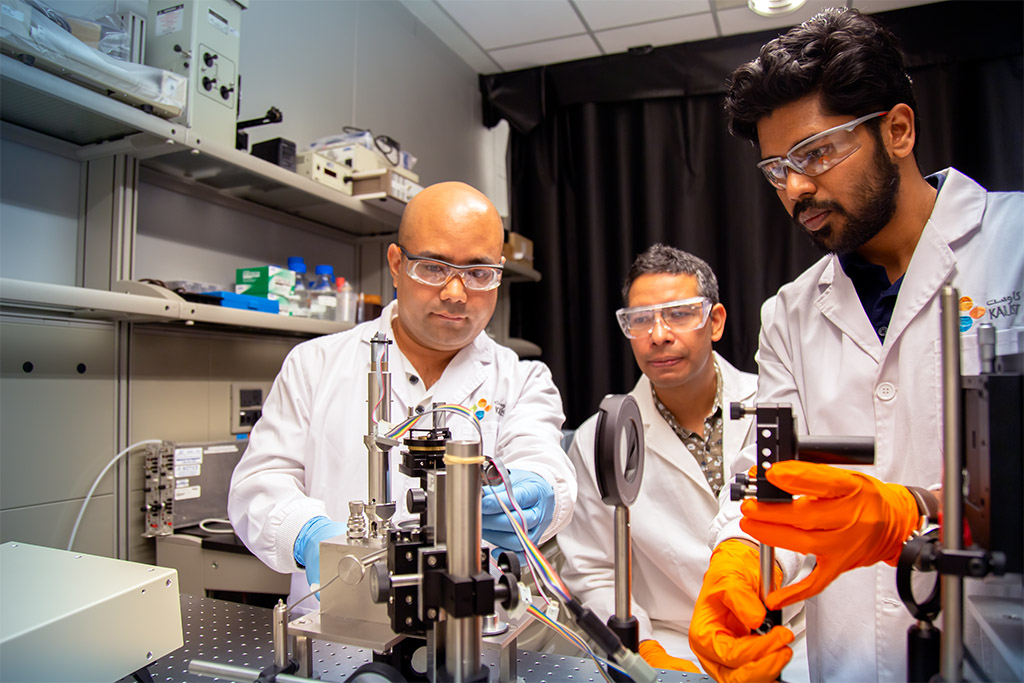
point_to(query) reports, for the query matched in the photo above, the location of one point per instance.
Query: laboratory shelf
(519, 272)
(523, 347)
(136, 306)
(96, 125)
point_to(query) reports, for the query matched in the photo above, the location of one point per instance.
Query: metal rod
(951, 664)
(623, 564)
(280, 633)
(767, 556)
(239, 674)
(463, 526)
(378, 408)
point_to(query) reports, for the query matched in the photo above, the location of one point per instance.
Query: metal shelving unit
(93, 125)
(97, 304)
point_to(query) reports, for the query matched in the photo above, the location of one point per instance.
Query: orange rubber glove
(845, 519)
(727, 610)
(655, 655)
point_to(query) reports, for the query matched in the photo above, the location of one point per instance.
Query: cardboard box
(518, 248)
(264, 280)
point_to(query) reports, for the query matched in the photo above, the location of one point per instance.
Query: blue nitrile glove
(535, 497)
(307, 546)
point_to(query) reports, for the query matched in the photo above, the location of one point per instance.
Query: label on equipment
(170, 20)
(187, 492)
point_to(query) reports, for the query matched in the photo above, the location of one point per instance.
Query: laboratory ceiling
(504, 35)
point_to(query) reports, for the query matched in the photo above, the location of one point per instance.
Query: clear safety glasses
(480, 277)
(679, 316)
(816, 154)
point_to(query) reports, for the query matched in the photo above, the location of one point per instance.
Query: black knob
(737, 491)
(380, 582)
(208, 83)
(416, 500)
(736, 411)
(209, 59)
(225, 92)
(509, 562)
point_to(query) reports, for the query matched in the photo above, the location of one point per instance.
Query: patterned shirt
(707, 449)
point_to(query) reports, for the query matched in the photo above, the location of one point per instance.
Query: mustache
(817, 204)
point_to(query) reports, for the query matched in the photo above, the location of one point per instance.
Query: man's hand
(845, 519)
(727, 610)
(307, 547)
(655, 655)
(534, 495)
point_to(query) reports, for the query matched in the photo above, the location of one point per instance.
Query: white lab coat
(669, 520)
(819, 353)
(306, 455)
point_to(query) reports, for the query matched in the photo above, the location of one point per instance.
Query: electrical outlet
(247, 405)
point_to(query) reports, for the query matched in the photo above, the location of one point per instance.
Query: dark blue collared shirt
(877, 295)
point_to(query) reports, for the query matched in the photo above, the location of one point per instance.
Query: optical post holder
(777, 442)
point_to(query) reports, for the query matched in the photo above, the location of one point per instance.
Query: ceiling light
(771, 8)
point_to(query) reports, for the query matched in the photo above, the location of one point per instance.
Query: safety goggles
(679, 316)
(479, 277)
(816, 154)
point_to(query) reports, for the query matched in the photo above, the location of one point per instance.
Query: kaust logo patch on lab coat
(993, 309)
(482, 407)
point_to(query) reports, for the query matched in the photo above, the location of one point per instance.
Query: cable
(403, 427)
(215, 520)
(74, 530)
(316, 590)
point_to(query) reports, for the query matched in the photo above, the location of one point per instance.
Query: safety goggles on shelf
(816, 154)
(479, 277)
(679, 316)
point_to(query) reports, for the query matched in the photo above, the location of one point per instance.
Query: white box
(319, 168)
(71, 616)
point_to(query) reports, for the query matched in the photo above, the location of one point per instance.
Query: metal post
(379, 506)
(280, 634)
(950, 668)
(463, 638)
(623, 564)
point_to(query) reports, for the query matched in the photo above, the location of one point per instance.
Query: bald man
(306, 458)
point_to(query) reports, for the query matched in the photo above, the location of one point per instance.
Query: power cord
(74, 530)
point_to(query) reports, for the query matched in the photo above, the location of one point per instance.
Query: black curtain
(612, 154)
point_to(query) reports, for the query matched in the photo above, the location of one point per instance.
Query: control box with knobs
(199, 39)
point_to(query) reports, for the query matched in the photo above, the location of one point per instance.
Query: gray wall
(325, 64)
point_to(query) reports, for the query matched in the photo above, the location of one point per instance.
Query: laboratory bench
(239, 635)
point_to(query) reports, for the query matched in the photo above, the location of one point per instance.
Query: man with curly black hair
(851, 345)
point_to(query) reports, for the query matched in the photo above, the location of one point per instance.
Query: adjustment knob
(416, 501)
(225, 92)
(380, 582)
(208, 83)
(209, 59)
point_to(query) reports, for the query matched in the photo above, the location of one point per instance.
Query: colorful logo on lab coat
(481, 408)
(969, 313)
(1001, 307)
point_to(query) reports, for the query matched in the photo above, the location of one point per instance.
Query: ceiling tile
(501, 23)
(547, 52)
(872, 6)
(667, 32)
(742, 20)
(604, 14)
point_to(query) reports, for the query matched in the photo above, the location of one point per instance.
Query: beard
(874, 202)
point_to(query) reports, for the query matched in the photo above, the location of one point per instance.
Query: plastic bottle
(323, 303)
(347, 301)
(297, 265)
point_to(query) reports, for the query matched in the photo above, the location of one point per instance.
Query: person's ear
(394, 262)
(717, 322)
(898, 131)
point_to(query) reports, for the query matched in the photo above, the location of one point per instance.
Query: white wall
(327, 64)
